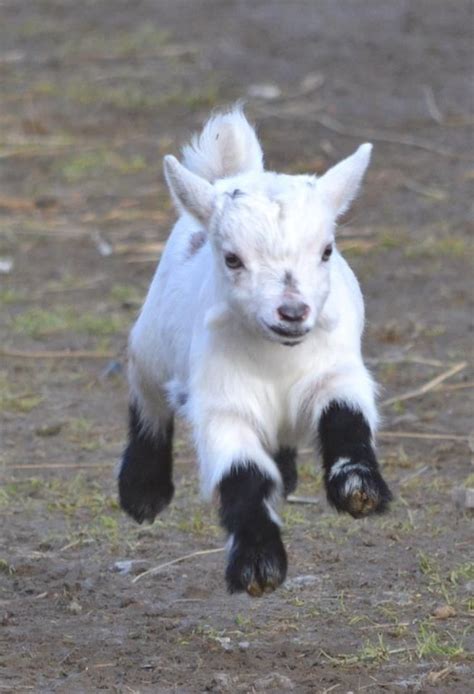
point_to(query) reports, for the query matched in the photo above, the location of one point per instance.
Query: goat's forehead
(276, 215)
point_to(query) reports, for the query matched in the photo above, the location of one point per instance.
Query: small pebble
(463, 498)
(444, 612)
(49, 429)
(104, 248)
(74, 607)
(312, 81)
(301, 581)
(126, 566)
(123, 567)
(113, 368)
(6, 266)
(225, 643)
(274, 682)
(264, 91)
(45, 202)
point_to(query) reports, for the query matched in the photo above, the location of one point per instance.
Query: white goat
(252, 329)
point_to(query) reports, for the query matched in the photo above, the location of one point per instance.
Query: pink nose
(294, 311)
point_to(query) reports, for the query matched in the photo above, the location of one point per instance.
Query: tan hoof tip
(270, 587)
(361, 504)
(254, 590)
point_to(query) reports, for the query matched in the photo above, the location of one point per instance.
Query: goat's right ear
(190, 192)
(340, 184)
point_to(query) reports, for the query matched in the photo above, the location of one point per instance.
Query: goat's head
(272, 237)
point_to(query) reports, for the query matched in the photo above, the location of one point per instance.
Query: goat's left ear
(340, 184)
(190, 192)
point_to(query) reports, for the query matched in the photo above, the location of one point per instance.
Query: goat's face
(272, 238)
(273, 257)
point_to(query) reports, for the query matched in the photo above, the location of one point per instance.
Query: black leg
(257, 559)
(286, 461)
(351, 472)
(145, 477)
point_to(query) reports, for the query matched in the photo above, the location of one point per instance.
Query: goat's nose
(295, 312)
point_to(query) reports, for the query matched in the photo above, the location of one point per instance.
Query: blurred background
(93, 94)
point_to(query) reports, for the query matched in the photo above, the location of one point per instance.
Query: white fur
(205, 330)
(272, 513)
(344, 465)
(338, 466)
(352, 484)
(226, 146)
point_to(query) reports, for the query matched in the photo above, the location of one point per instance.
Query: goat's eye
(233, 261)
(327, 253)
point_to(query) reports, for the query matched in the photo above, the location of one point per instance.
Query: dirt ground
(94, 93)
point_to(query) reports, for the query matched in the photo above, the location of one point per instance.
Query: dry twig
(292, 499)
(160, 567)
(331, 123)
(412, 475)
(430, 385)
(418, 435)
(404, 360)
(431, 104)
(454, 386)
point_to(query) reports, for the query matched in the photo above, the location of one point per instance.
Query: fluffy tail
(227, 146)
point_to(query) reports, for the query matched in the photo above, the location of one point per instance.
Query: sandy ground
(93, 94)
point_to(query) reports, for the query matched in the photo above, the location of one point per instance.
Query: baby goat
(252, 329)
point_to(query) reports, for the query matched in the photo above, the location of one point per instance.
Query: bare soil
(94, 93)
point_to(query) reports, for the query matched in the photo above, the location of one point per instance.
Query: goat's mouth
(290, 337)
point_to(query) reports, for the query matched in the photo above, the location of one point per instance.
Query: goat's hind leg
(285, 458)
(145, 477)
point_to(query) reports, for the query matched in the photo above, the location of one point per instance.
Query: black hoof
(358, 489)
(142, 497)
(256, 565)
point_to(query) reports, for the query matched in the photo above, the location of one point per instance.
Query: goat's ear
(190, 192)
(340, 184)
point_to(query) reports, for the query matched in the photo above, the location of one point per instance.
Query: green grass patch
(11, 400)
(429, 643)
(193, 99)
(445, 582)
(10, 296)
(126, 294)
(293, 517)
(99, 162)
(146, 38)
(198, 523)
(449, 246)
(129, 97)
(39, 323)
(469, 481)
(6, 567)
(82, 433)
(136, 98)
(371, 651)
(45, 88)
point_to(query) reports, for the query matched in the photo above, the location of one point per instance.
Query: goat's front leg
(257, 558)
(351, 471)
(248, 484)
